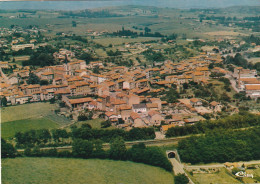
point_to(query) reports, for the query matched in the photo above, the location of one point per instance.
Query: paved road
(177, 166)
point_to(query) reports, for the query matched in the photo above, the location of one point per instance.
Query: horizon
(92, 4)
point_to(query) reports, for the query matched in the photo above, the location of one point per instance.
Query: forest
(221, 145)
(242, 120)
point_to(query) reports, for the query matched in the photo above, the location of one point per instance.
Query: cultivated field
(9, 129)
(94, 123)
(26, 111)
(79, 171)
(219, 177)
(26, 117)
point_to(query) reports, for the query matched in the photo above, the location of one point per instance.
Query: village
(127, 97)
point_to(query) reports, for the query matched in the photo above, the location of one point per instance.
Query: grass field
(118, 41)
(256, 174)
(26, 111)
(79, 171)
(221, 177)
(94, 123)
(9, 129)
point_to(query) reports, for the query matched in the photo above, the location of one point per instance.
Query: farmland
(54, 170)
(26, 117)
(218, 177)
(26, 111)
(10, 128)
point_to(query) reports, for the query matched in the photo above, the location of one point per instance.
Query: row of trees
(93, 149)
(44, 137)
(146, 33)
(221, 146)
(241, 120)
(85, 132)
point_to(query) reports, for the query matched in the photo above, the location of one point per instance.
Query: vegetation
(181, 179)
(232, 122)
(84, 132)
(9, 129)
(221, 176)
(41, 57)
(26, 111)
(7, 150)
(56, 170)
(221, 146)
(93, 149)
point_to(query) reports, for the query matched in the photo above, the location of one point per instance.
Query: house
(253, 91)
(47, 76)
(125, 112)
(195, 102)
(164, 128)
(154, 117)
(22, 99)
(156, 101)
(79, 103)
(32, 88)
(229, 165)
(23, 46)
(139, 108)
(136, 120)
(152, 106)
(111, 116)
(215, 106)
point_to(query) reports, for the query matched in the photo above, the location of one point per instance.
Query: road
(233, 82)
(153, 142)
(220, 165)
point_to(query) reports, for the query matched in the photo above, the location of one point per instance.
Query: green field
(77, 171)
(9, 129)
(26, 111)
(220, 177)
(26, 117)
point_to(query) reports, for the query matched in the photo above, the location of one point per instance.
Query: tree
(7, 149)
(82, 148)
(181, 179)
(4, 102)
(74, 23)
(52, 100)
(43, 135)
(87, 57)
(106, 124)
(118, 149)
(44, 82)
(59, 133)
(33, 79)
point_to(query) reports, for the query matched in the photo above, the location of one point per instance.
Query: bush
(181, 179)
(7, 150)
(82, 148)
(106, 124)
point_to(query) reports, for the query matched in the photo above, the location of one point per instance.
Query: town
(134, 96)
(79, 84)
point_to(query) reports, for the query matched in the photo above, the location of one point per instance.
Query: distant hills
(77, 5)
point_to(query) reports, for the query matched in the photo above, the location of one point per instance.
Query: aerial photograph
(130, 91)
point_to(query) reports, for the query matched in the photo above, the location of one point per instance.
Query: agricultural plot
(9, 129)
(75, 171)
(218, 177)
(26, 111)
(25, 117)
